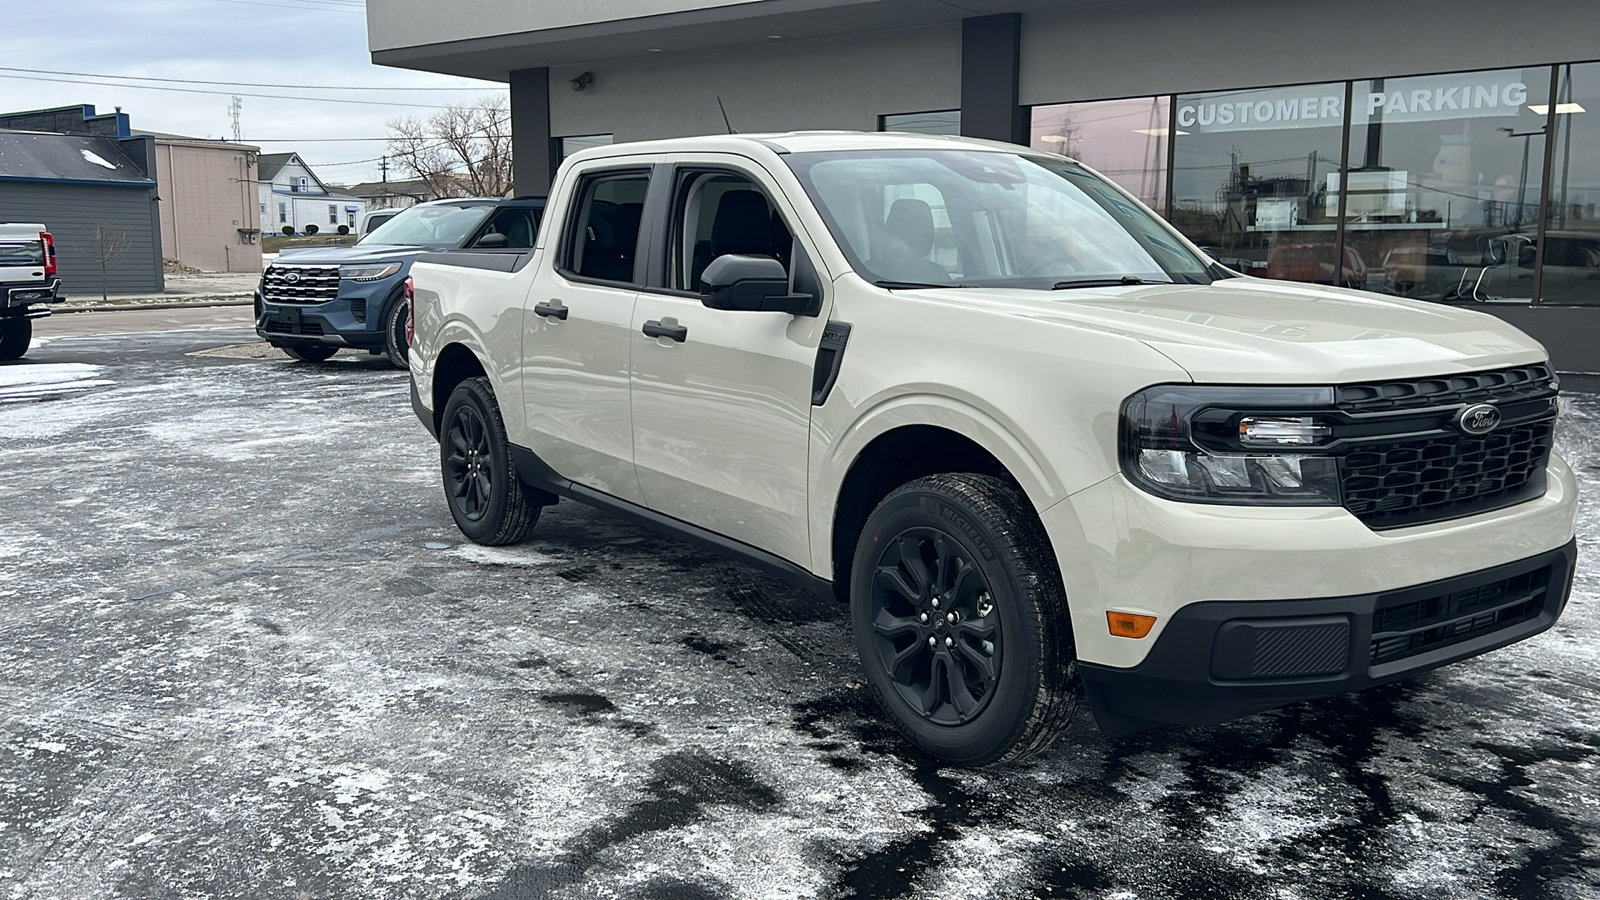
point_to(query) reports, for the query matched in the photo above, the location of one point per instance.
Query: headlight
(374, 272)
(1246, 446)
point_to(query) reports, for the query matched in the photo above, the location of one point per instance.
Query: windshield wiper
(1102, 282)
(909, 285)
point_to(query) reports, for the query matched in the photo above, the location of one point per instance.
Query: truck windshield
(434, 227)
(966, 218)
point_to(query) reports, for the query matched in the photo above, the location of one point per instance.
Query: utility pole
(234, 107)
(383, 166)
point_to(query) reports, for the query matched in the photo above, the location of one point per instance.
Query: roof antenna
(725, 116)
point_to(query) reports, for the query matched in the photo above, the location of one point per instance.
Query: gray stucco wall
(71, 211)
(823, 83)
(1171, 46)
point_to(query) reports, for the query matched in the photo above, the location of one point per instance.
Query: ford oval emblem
(292, 277)
(1479, 419)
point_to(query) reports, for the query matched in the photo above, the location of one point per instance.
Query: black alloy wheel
(394, 338)
(489, 502)
(960, 620)
(468, 462)
(937, 629)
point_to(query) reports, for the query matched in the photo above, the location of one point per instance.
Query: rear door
(722, 410)
(577, 328)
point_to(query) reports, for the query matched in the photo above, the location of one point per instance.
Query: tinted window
(603, 231)
(29, 253)
(719, 213)
(518, 223)
(435, 227)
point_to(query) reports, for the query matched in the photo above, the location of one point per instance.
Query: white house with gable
(293, 196)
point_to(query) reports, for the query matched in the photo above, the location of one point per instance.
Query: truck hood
(351, 253)
(1255, 330)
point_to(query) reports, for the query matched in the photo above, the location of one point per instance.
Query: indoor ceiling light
(1562, 109)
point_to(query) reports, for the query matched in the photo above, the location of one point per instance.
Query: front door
(721, 398)
(577, 334)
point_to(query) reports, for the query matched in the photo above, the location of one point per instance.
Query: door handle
(654, 328)
(553, 308)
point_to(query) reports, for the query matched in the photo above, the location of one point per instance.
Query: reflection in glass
(1124, 140)
(944, 121)
(1443, 188)
(1250, 182)
(1571, 273)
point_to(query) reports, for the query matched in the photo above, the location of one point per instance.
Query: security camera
(582, 81)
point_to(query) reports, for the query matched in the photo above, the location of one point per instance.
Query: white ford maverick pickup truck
(1047, 450)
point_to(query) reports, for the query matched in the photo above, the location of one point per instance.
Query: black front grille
(304, 326)
(1496, 386)
(1393, 485)
(300, 284)
(1439, 472)
(1406, 627)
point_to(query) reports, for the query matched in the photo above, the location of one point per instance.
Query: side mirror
(752, 283)
(492, 242)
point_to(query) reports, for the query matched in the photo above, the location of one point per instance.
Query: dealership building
(1447, 151)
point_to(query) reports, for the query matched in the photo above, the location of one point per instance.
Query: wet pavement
(244, 653)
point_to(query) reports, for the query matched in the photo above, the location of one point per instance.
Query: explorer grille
(1406, 628)
(311, 284)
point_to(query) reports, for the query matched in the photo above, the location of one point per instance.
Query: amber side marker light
(1129, 625)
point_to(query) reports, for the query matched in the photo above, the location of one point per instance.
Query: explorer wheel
(312, 353)
(960, 620)
(394, 335)
(488, 501)
(15, 335)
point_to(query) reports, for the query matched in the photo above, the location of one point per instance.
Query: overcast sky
(289, 42)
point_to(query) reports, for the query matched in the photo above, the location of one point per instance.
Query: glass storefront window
(571, 145)
(1251, 172)
(1124, 140)
(1571, 272)
(944, 121)
(1444, 183)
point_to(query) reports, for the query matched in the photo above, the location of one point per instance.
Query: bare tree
(109, 243)
(458, 148)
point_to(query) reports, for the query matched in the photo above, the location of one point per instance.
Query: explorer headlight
(1245, 446)
(372, 272)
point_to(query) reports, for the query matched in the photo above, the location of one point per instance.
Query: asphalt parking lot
(244, 653)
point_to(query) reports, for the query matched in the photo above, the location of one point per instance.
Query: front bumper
(353, 319)
(1220, 660)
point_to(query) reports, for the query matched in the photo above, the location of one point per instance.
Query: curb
(177, 304)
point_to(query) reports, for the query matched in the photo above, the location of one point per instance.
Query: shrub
(311, 229)
(288, 230)
(344, 229)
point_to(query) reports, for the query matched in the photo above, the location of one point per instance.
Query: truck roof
(799, 142)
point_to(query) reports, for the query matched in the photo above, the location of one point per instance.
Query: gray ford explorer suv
(312, 302)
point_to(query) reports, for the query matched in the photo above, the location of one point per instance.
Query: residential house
(395, 194)
(293, 197)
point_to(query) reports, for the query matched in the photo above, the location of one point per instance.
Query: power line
(283, 6)
(314, 87)
(151, 87)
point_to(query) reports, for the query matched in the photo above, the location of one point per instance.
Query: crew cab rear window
(24, 253)
(602, 235)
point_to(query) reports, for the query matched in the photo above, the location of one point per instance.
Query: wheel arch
(896, 456)
(454, 364)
